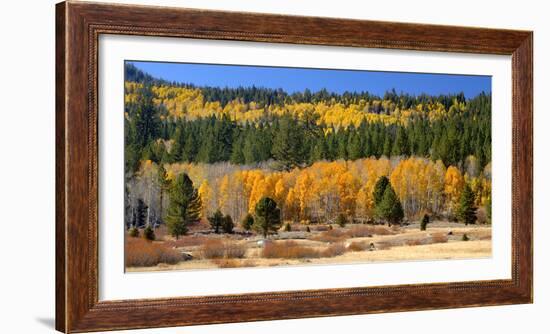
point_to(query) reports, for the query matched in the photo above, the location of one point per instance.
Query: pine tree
(390, 208)
(227, 224)
(387, 146)
(185, 206)
(164, 185)
(216, 221)
(140, 213)
(425, 222)
(287, 145)
(268, 216)
(149, 233)
(400, 145)
(466, 211)
(379, 189)
(247, 222)
(237, 156)
(355, 147)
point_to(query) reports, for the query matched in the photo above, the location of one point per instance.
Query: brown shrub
(219, 249)
(358, 246)
(335, 235)
(321, 228)
(334, 250)
(233, 263)
(292, 250)
(367, 231)
(414, 242)
(439, 238)
(387, 244)
(144, 253)
(288, 250)
(187, 241)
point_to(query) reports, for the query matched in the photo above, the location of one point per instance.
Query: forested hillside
(317, 154)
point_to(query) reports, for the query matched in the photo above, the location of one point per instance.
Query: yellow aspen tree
(205, 193)
(454, 183)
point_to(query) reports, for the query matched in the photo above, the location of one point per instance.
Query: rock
(450, 233)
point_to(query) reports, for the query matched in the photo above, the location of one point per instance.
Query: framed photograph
(212, 169)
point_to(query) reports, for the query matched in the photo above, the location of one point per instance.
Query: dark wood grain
(78, 27)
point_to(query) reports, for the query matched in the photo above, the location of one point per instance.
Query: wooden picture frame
(78, 26)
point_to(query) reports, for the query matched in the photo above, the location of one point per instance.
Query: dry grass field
(355, 243)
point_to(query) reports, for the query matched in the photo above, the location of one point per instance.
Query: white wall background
(27, 148)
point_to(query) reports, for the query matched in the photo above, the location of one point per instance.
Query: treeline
(317, 193)
(269, 96)
(292, 142)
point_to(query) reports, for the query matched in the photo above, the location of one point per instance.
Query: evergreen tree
(400, 145)
(140, 213)
(149, 233)
(379, 189)
(390, 208)
(216, 221)
(237, 155)
(247, 222)
(287, 144)
(355, 147)
(227, 224)
(466, 212)
(320, 150)
(185, 206)
(134, 232)
(164, 185)
(425, 222)
(268, 216)
(387, 149)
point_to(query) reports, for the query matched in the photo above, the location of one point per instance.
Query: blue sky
(297, 79)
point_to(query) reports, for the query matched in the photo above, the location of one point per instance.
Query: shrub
(247, 222)
(288, 250)
(216, 221)
(212, 249)
(481, 215)
(414, 242)
(357, 246)
(334, 250)
(234, 250)
(368, 231)
(134, 232)
(232, 263)
(287, 227)
(227, 224)
(330, 236)
(144, 253)
(292, 250)
(465, 237)
(186, 241)
(218, 249)
(341, 220)
(439, 238)
(149, 233)
(425, 222)
(322, 228)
